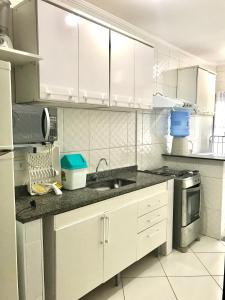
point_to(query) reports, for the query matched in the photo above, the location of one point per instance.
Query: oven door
(190, 205)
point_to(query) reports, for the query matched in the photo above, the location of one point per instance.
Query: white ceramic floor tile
(196, 288)
(207, 244)
(182, 264)
(148, 266)
(155, 288)
(214, 262)
(219, 280)
(107, 291)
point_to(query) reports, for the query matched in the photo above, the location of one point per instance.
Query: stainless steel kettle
(4, 23)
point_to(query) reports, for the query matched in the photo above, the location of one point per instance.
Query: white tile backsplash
(118, 129)
(99, 129)
(76, 130)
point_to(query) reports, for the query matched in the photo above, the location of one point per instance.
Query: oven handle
(184, 208)
(195, 189)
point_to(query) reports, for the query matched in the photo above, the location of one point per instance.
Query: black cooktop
(166, 171)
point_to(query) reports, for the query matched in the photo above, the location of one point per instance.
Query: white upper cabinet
(206, 91)
(93, 63)
(197, 85)
(143, 79)
(58, 45)
(122, 70)
(131, 72)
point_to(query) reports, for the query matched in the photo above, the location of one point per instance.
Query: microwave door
(28, 124)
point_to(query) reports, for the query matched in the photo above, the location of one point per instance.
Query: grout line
(168, 279)
(206, 268)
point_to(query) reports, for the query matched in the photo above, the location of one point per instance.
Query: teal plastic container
(74, 171)
(73, 162)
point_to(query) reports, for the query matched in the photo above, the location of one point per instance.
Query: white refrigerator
(8, 253)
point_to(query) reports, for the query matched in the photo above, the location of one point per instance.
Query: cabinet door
(120, 240)
(93, 63)
(187, 84)
(122, 70)
(206, 91)
(143, 78)
(58, 45)
(79, 258)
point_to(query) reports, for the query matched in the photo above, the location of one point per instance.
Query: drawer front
(151, 238)
(153, 202)
(152, 218)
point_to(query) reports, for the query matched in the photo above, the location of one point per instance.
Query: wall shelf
(17, 57)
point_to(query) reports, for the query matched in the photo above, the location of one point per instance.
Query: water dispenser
(180, 130)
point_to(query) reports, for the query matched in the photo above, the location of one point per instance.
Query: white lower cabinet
(121, 238)
(151, 238)
(30, 261)
(87, 246)
(79, 258)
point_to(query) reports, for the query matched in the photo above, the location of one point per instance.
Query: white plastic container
(74, 171)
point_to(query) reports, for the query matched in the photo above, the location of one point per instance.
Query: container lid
(73, 162)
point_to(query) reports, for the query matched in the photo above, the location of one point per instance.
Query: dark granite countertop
(50, 204)
(199, 156)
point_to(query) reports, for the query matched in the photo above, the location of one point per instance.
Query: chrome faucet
(102, 159)
(95, 176)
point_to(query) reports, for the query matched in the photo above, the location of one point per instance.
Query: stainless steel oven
(186, 206)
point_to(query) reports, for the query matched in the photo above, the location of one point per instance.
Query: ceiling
(196, 26)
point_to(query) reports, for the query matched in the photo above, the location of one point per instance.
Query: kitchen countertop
(50, 204)
(198, 156)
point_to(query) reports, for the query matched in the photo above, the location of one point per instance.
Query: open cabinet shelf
(17, 57)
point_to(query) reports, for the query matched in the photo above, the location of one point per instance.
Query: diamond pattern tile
(76, 130)
(95, 156)
(118, 129)
(118, 157)
(99, 129)
(131, 129)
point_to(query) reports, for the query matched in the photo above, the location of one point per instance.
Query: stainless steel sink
(109, 184)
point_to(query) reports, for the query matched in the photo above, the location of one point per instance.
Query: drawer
(152, 202)
(152, 218)
(151, 238)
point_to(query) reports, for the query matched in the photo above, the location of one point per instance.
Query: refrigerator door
(8, 253)
(6, 136)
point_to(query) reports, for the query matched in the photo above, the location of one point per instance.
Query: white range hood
(160, 101)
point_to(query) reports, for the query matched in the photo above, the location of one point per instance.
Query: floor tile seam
(208, 252)
(206, 267)
(217, 282)
(149, 276)
(168, 280)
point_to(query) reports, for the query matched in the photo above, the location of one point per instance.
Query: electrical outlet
(19, 165)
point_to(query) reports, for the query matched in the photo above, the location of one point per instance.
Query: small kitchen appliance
(186, 208)
(5, 40)
(34, 124)
(180, 131)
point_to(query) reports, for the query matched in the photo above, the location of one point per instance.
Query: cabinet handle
(107, 230)
(103, 230)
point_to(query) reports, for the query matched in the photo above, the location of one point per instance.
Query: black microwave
(33, 124)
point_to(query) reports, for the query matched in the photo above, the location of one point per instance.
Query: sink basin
(110, 184)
